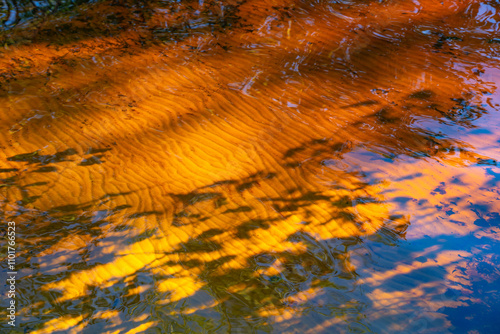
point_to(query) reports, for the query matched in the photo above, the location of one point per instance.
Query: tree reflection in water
(252, 167)
(229, 248)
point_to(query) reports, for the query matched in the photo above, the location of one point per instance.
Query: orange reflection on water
(252, 166)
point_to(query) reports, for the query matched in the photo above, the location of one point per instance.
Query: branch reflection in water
(253, 167)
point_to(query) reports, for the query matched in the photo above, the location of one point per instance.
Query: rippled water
(252, 166)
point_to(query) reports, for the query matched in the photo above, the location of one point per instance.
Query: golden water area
(253, 166)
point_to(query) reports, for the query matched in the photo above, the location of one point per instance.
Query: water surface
(253, 166)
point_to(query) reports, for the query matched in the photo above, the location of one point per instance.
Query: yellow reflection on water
(181, 167)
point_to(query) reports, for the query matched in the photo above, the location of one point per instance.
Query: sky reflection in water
(253, 167)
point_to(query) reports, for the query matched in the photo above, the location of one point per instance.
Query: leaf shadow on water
(386, 119)
(110, 18)
(234, 256)
(82, 226)
(214, 287)
(210, 280)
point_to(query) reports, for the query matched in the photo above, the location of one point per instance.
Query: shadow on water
(231, 280)
(259, 253)
(252, 262)
(14, 12)
(111, 18)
